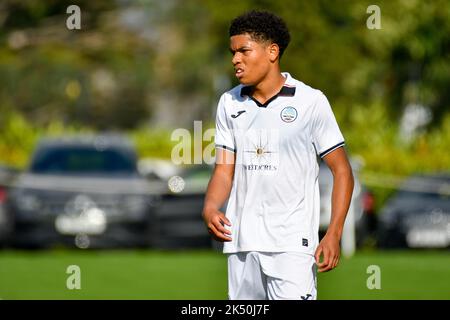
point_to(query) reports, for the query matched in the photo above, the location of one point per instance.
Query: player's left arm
(343, 183)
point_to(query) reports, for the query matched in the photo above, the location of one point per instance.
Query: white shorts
(271, 275)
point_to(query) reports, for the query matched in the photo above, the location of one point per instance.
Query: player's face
(251, 59)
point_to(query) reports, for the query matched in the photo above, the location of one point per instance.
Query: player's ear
(274, 52)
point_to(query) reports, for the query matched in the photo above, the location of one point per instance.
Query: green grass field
(168, 275)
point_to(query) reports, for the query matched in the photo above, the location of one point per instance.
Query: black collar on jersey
(285, 91)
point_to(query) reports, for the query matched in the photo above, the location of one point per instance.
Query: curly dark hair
(262, 26)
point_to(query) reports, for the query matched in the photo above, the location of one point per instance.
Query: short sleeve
(326, 134)
(224, 137)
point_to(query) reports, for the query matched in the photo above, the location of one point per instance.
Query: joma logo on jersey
(234, 116)
(288, 114)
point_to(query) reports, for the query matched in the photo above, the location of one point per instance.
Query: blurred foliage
(20, 136)
(129, 54)
(131, 57)
(98, 76)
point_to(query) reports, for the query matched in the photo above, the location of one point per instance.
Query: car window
(422, 189)
(413, 195)
(82, 160)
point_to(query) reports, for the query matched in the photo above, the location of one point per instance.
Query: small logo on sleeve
(304, 242)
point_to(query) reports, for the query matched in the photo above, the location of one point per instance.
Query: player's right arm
(219, 188)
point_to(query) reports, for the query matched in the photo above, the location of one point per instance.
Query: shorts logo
(304, 242)
(306, 297)
(288, 114)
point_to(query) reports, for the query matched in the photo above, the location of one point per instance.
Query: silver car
(84, 192)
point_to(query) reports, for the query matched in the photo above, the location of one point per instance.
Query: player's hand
(330, 249)
(215, 221)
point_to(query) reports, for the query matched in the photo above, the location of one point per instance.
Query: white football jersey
(274, 204)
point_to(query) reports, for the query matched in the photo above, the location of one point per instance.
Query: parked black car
(418, 215)
(7, 175)
(84, 191)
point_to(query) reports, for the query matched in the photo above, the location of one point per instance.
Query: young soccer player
(271, 131)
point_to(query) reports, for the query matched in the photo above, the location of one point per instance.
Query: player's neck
(269, 87)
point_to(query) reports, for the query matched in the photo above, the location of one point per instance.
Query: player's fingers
(331, 259)
(221, 238)
(218, 239)
(326, 268)
(219, 226)
(217, 234)
(317, 255)
(326, 256)
(336, 261)
(326, 264)
(225, 220)
(332, 263)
